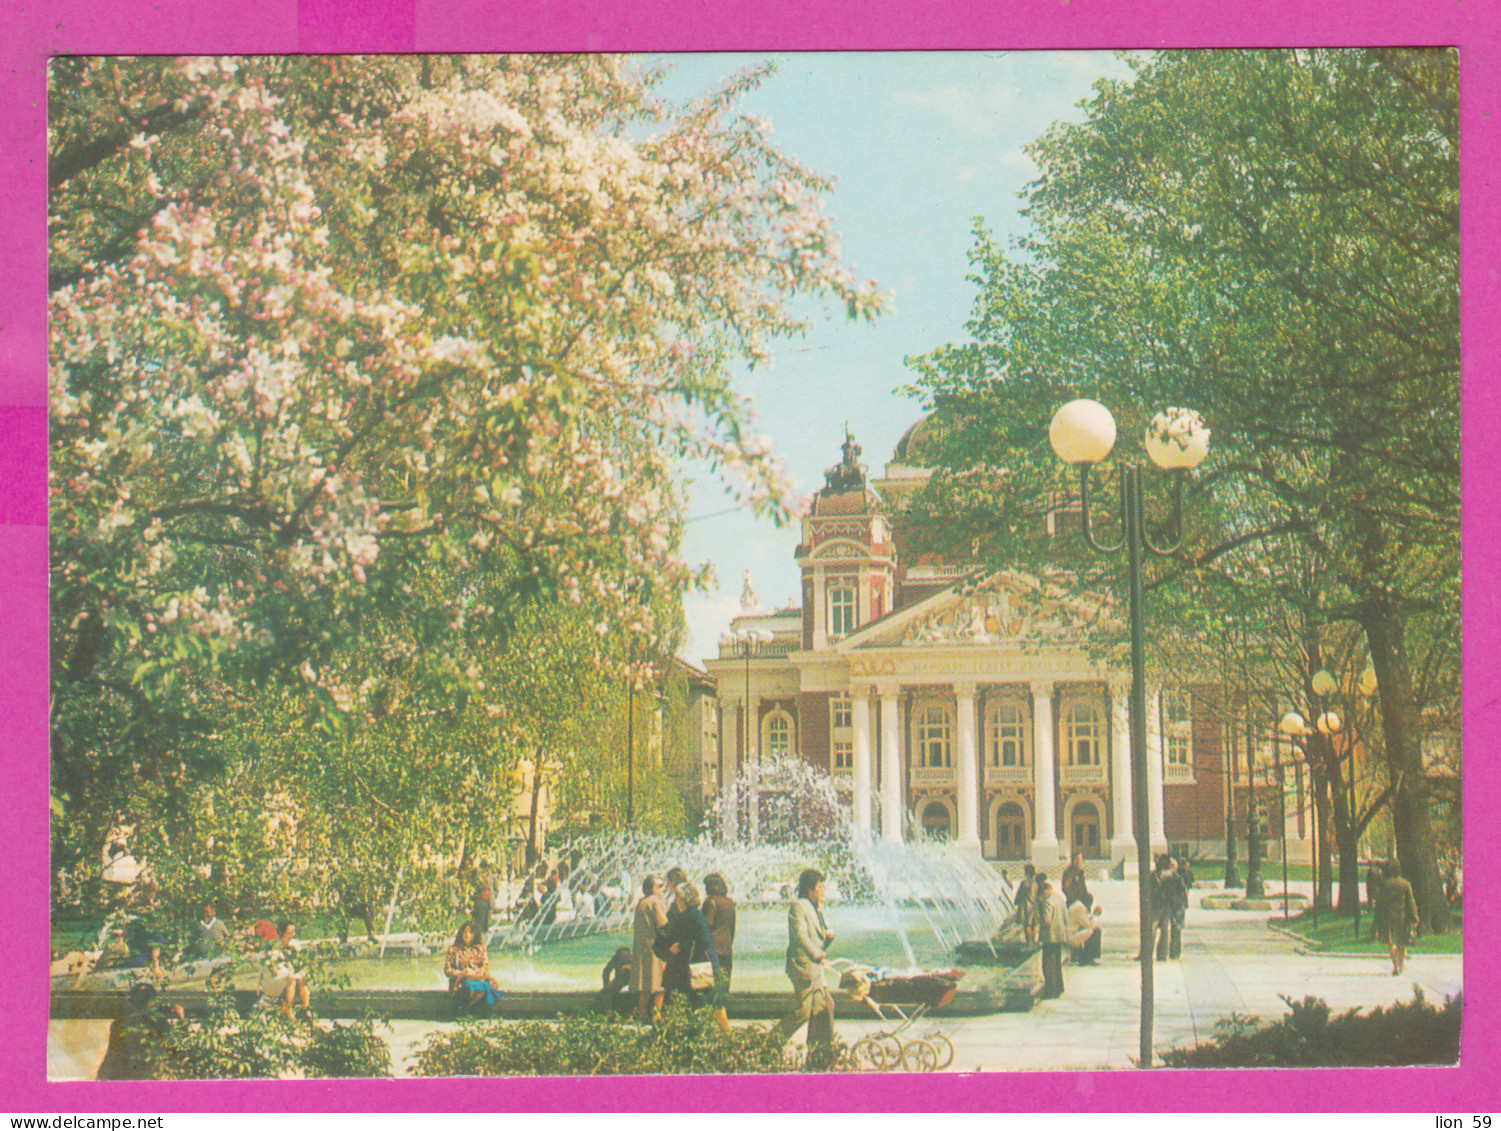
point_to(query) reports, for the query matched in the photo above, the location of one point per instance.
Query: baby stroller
(908, 998)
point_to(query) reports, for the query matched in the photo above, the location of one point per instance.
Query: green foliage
(1270, 237)
(263, 1044)
(597, 1044)
(1310, 1036)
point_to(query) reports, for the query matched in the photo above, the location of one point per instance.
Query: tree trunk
(1404, 755)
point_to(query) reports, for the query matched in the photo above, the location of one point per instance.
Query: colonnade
(876, 711)
(883, 702)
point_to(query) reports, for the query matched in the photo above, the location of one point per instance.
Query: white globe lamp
(1177, 439)
(1082, 431)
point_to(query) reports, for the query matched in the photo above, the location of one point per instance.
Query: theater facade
(964, 702)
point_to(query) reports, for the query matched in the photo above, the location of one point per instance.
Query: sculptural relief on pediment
(991, 618)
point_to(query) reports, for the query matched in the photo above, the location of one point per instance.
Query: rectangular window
(844, 755)
(1177, 727)
(841, 610)
(843, 714)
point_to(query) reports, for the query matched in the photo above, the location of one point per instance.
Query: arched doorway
(1084, 830)
(935, 820)
(1010, 832)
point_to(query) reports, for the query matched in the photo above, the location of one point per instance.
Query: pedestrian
(1396, 915)
(1186, 874)
(355, 903)
(719, 910)
(693, 964)
(1084, 936)
(210, 935)
(1169, 907)
(135, 1037)
(1052, 930)
(1025, 909)
(615, 982)
(646, 967)
(483, 899)
(468, 969)
(283, 980)
(1074, 887)
(808, 940)
(1373, 880)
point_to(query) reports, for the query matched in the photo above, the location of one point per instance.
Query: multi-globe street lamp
(747, 643)
(1082, 432)
(1328, 723)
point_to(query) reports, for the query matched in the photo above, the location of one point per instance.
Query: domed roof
(917, 446)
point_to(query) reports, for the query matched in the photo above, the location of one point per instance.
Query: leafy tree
(1270, 237)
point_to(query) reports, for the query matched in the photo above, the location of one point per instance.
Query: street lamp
(1082, 432)
(746, 643)
(1329, 724)
(1291, 727)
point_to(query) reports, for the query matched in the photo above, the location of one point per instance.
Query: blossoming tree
(324, 326)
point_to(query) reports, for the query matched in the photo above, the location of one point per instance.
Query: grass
(1335, 933)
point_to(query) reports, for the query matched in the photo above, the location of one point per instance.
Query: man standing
(808, 938)
(484, 899)
(1052, 929)
(1074, 887)
(1026, 909)
(1169, 906)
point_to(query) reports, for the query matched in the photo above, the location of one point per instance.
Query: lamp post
(746, 643)
(1291, 727)
(1330, 724)
(1082, 432)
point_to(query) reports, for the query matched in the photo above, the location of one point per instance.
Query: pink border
(44, 27)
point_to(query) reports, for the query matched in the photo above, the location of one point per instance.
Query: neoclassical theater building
(961, 702)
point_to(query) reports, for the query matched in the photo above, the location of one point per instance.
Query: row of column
(967, 767)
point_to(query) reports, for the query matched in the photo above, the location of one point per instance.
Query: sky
(920, 144)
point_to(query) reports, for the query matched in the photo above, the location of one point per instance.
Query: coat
(1052, 925)
(646, 967)
(1080, 924)
(806, 940)
(1396, 912)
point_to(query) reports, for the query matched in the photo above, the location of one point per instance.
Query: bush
(228, 1046)
(1309, 1037)
(605, 1045)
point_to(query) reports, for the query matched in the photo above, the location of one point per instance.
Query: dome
(917, 446)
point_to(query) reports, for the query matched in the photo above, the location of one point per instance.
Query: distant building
(962, 701)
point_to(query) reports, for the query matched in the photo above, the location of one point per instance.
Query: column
(891, 767)
(1123, 841)
(966, 765)
(860, 717)
(1154, 768)
(1045, 832)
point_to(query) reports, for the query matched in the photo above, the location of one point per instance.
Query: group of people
(683, 944)
(1058, 917)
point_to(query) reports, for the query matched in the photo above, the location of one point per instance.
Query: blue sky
(920, 144)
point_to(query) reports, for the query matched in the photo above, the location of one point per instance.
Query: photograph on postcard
(595, 564)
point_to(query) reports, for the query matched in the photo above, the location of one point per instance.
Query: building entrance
(1086, 830)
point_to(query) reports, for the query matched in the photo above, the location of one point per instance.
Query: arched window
(1006, 735)
(1082, 734)
(778, 735)
(936, 820)
(933, 733)
(841, 610)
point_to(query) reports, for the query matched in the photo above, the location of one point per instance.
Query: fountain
(902, 906)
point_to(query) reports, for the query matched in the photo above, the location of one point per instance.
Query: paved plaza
(1232, 962)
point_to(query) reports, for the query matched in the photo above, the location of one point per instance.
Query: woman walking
(691, 947)
(646, 967)
(719, 912)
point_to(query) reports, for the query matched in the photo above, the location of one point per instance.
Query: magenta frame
(42, 28)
